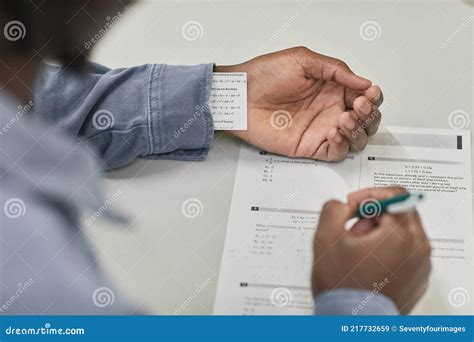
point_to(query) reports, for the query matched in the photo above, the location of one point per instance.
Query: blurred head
(61, 30)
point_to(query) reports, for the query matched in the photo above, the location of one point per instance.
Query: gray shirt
(52, 153)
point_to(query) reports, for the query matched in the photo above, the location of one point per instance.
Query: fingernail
(350, 124)
(366, 107)
(338, 138)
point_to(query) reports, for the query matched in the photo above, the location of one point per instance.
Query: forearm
(152, 111)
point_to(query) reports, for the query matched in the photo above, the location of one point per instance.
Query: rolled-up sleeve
(151, 111)
(180, 119)
(353, 302)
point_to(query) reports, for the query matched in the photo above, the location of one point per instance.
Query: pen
(396, 204)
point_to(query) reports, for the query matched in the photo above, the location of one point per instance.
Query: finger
(349, 97)
(373, 124)
(375, 95)
(416, 228)
(368, 114)
(337, 71)
(355, 198)
(393, 222)
(387, 222)
(332, 220)
(352, 130)
(419, 227)
(362, 227)
(338, 146)
(332, 69)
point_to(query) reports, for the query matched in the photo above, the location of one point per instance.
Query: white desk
(424, 73)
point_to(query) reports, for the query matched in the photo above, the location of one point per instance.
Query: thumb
(332, 221)
(332, 69)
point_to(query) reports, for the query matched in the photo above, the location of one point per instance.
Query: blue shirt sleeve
(152, 111)
(354, 302)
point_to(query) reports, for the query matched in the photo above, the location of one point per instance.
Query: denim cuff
(180, 121)
(354, 302)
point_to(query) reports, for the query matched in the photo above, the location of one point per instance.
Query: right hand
(392, 250)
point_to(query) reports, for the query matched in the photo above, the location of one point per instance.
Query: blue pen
(397, 204)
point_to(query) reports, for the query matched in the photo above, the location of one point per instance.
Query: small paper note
(228, 101)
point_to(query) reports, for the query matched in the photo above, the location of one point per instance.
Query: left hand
(303, 104)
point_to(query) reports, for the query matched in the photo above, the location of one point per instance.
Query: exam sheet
(266, 263)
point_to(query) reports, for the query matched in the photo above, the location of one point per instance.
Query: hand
(391, 251)
(303, 104)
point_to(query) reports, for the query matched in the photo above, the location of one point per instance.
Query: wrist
(227, 68)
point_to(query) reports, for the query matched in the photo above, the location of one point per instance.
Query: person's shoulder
(28, 143)
(37, 158)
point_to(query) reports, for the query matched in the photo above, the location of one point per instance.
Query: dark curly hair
(56, 29)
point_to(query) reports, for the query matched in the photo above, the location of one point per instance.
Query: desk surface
(422, 58)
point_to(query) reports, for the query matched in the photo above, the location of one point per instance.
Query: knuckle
(330, 205)
(421, 249)
(340, 63)
(301, 50)
(426, 249)
(429, 268)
